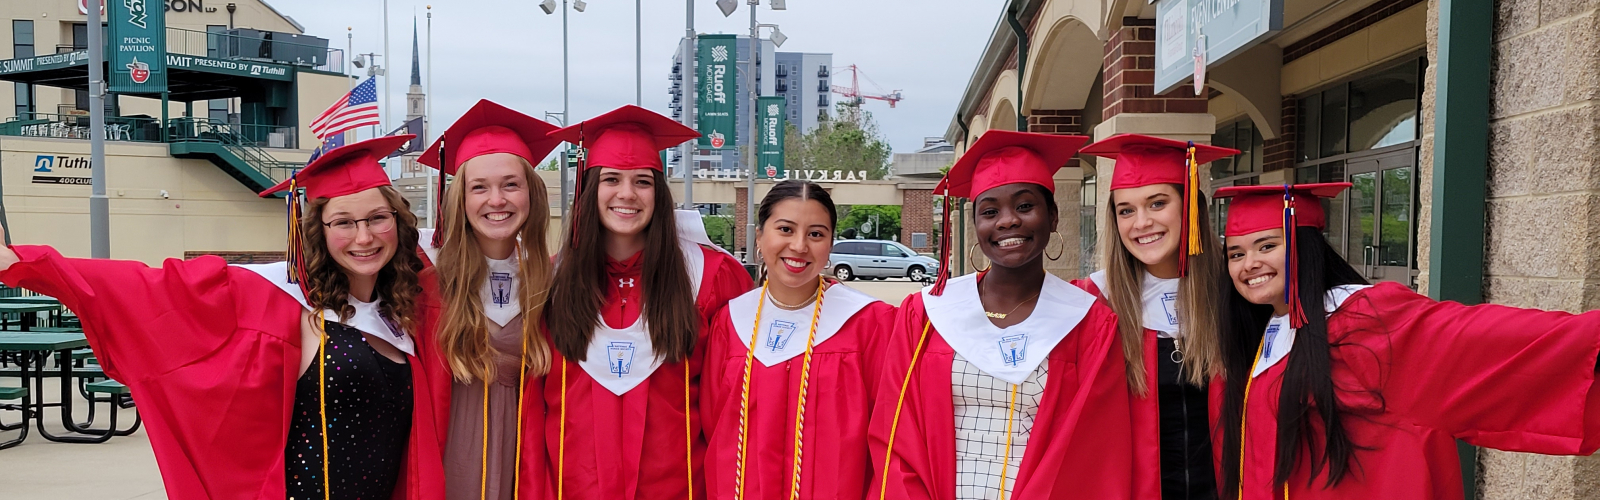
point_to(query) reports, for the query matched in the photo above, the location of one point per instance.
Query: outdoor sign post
(718, 86)
(772, 123)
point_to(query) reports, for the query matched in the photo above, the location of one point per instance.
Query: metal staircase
(220, 143)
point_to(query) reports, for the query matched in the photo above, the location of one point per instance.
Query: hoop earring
(1063, 247)
(970, 252)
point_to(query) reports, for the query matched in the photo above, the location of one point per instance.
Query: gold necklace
(1003, 315)
(793, 307)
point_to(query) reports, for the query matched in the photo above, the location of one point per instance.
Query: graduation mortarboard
(1144, 160)
(626, 138)
(486, 128)
(340, 172)
(1260, 208)
(998, 158)
(1003, 157)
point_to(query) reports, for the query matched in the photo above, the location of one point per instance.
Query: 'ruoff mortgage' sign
(1220, 28)
(718, 91)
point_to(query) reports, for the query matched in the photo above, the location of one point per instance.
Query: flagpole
(427, 115)
(383, 118)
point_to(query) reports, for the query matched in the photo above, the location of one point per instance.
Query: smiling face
(1255, 262)
(1149, 223)
(1013, 223)
(795, 242)
(496, 187)
(627, 200)
(362, 249)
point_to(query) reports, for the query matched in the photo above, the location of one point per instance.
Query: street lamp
(728, 7)
(549, 7)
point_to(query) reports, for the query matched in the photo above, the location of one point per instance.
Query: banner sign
(717, 60)
(771, 126)
(44, 62)
(236, 68)
(138, 47)
(1190, 32)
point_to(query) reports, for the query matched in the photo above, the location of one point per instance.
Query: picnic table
(33, 350)
(29, 312)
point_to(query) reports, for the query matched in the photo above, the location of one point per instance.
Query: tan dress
(463, 455)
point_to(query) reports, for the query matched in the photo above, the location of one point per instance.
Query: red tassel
(944, 251)
(1291, 289)
(438, 206)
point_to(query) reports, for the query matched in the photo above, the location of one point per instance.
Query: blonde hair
(1199, 303)
(462, 270)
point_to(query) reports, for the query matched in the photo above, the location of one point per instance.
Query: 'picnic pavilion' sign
(138, 46)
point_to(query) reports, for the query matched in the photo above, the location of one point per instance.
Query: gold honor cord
(561, 449)
(1242, 415)
(1005, 459)
(894, 425)
(516, 473)
(744, 392)
(322, 402)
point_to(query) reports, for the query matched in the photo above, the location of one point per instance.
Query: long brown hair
(462, 270)
(1198, 302)
(397, 285)
(580, 284)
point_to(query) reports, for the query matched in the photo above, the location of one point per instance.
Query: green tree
(720, 229)
(850, 141)
(886, 228)
(553, 165)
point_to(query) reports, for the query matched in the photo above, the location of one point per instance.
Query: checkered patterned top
(981, 404)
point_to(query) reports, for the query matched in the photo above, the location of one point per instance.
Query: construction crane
(854, 90)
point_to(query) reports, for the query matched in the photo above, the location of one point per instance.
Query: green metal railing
(233, 140)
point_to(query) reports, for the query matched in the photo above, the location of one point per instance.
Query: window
(890, 250)
(22, 46)
(217, 109)
(1372, 112)
(1243, 136)
(217, 41)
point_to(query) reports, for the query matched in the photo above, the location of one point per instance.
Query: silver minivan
(879, 259)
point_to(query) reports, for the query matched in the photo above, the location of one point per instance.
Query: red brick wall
(916, 216)
(1279, 154)
(241, 257)
(1057, 121)
(1130, 75)
(739, 219)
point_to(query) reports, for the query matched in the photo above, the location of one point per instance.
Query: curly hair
(398, 284)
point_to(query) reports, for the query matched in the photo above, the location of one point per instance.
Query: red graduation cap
(1260, 208)
(1144, 160)
(489, 128)
(347, 170)
(1003, 157)
(486, 128)
(343, 171)
(998, 158)
(626, 138)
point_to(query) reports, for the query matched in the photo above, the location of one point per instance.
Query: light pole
(549, 7)
(427, 119)
(728, 7)
(690, 93)
(384, 116)
(561, 159)
(638, 53)
(99, 204)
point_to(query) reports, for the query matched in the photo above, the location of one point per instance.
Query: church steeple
(416, 59)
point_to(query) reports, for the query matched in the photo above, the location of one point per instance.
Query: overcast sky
(510, 51)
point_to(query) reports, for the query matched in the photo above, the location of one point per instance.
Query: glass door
(1380, 218)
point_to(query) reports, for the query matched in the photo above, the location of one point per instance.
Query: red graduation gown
(533, 476)
(605, 452)
(835, 461)
(1495, 376)
(212, 354)
(1081, 446)
(1145, 414)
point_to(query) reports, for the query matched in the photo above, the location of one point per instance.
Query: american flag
(359, 108)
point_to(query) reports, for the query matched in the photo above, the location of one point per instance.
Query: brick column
(1279, 154)
(739, 219)
(1130, 75)
(916, 216)
(1068, 193)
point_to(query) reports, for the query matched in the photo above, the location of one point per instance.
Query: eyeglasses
(381, 222)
